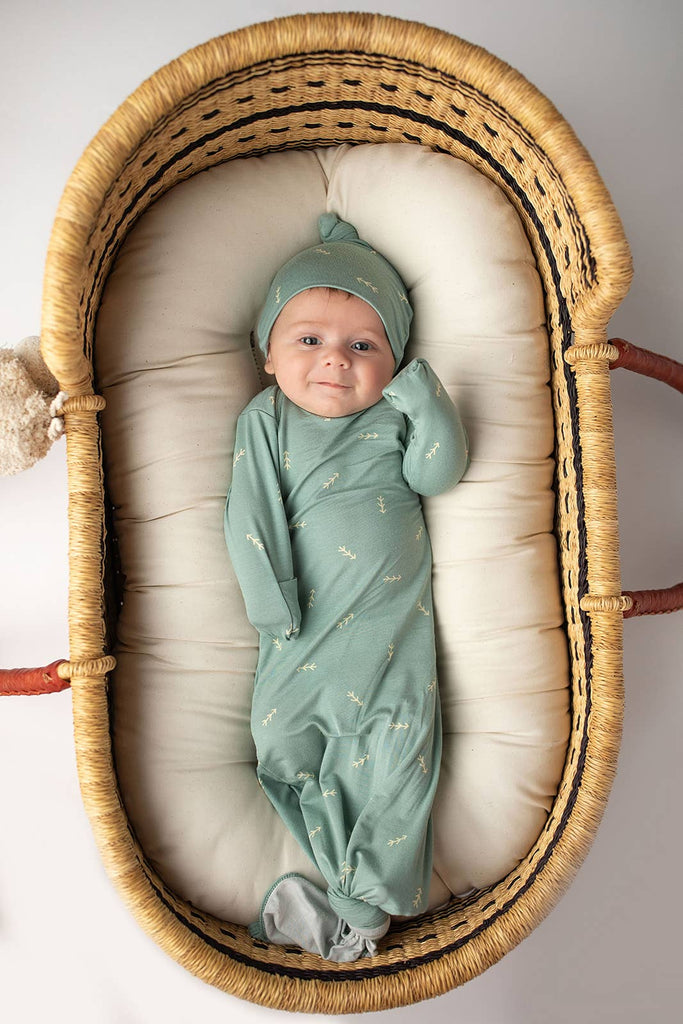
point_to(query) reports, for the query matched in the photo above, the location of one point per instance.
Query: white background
(611, 950)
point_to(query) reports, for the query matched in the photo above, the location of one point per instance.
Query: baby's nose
(336, 357)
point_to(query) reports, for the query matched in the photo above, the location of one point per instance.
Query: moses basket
(296, 84)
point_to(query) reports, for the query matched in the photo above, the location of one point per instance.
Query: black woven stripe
(293, 62)
(290, 62)
(582, 582)
(411, 116)
(380, 62)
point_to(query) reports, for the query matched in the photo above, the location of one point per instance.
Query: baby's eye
(309, 339)
(361, 346)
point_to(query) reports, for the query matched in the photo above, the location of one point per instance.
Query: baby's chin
(326, 411)
(329, 405)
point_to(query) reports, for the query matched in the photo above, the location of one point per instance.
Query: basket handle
(15, 682)
(650, 364)
(23, 682)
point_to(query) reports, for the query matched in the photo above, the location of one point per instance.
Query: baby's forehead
(321, 294)
(324, 301)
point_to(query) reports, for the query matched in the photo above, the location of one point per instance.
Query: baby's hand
(414, 385)
(436, 454)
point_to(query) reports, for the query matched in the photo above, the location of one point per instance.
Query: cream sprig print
(423, 764)
(417, 900)
(368, 284)
(256, 542)
(330, 792)
(421, 608)
(298, 526)
(238, 456)
(356, 700)
(302, 776)
(315, 831)
(382, 504)
(277, 643)
(390, 652)
(418, 535)
(308, 667)
(330, 482)
(363, 761)
(367, 437)
(345, 621)
(433, 450)
(346, 870)
(400, 725)
(392, 579)
(269, 717)
(287, 460)
(311, 599)
(397, 840)
(347, 554)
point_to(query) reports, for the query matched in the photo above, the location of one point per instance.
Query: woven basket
(321, 80)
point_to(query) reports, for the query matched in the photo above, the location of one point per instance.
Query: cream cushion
(173, 360)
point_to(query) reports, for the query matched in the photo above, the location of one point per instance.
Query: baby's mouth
(333, 384)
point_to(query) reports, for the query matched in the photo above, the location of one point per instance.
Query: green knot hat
(343, 261)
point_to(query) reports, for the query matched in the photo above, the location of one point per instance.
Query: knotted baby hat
(343, 261)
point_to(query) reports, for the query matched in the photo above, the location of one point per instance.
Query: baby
(325, 530)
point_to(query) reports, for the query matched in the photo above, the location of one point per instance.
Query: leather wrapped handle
(654, 602)
(650, 364)
(647, 363)
(24, 682)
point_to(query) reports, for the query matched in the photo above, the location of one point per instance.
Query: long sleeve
(256, 528)
(437, 449)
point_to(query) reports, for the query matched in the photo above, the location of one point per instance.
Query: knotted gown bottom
(351, 764)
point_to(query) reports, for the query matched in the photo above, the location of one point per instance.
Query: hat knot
(332, 229)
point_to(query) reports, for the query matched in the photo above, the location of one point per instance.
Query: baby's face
(329, 353)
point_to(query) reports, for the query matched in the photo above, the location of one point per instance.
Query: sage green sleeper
(326, 534)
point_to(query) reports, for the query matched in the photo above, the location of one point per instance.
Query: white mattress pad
(174, 361)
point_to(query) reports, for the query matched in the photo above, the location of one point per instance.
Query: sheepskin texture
(27, 389)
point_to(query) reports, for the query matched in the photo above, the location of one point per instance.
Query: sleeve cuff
(289, 591)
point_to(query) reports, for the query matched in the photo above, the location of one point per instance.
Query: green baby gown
(325, 530)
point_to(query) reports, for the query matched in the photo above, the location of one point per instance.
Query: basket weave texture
(320, 80)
